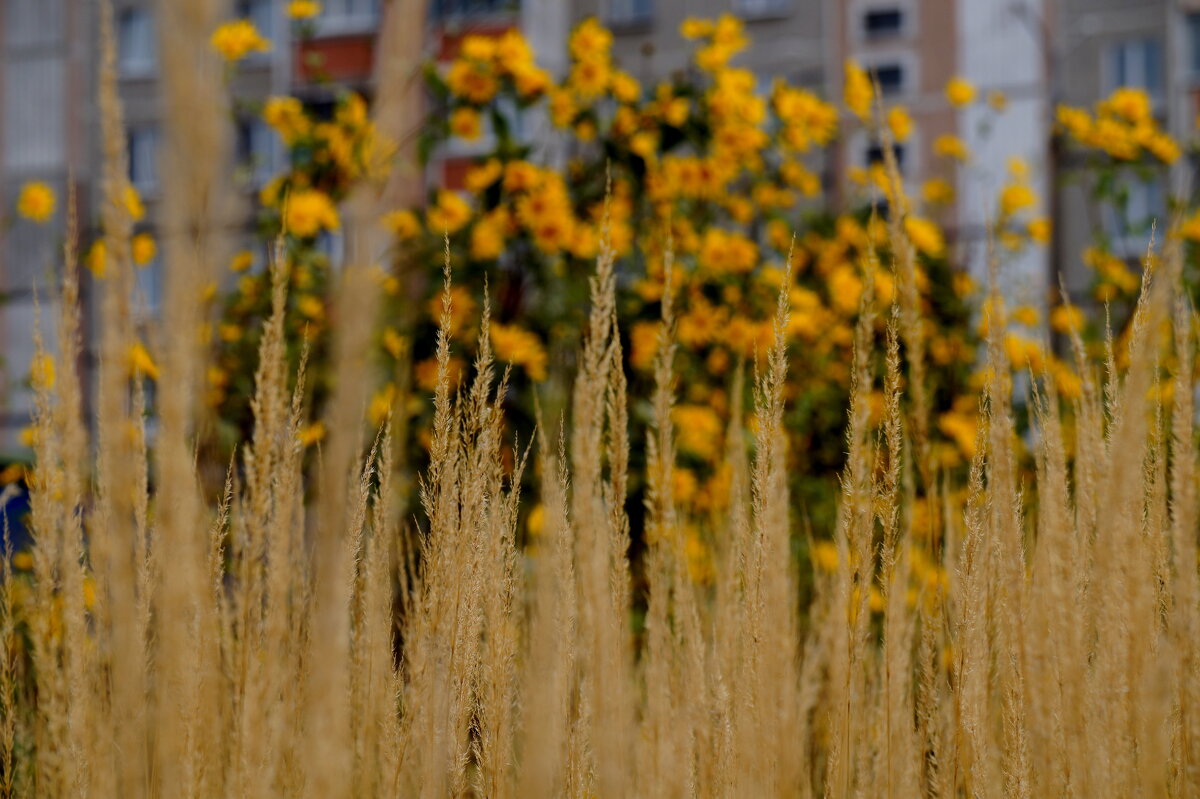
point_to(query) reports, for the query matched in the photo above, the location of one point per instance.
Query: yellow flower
(723, 252)
(381, 404)
(133, 203)
(303, 9)
(845, 288)
(1132, 105)
(478, 48)
(643, 344)
(97, 259)
(693, 28)
(900, 123)
(462, 307)
(519, 176)
(143, 249)
(1190, 228)
(36, 201)
(140, 362)
(590, 77)
(308, 211)
(1024, 353)
(465, 123)
(1025, 315)
(645, 144)
(487, 237)
(449, 214)
(1163, 147)
(858, 91)
(393, 342)
(1075, 121)
(480, 177)
(1066, 319)
(824, 556)
(286, 115)
(625, 87)
(530, 79)
(473, 80)
(959, 92)
(241, 261)
(311, 307)
(699, 428)
(402, 224)
(925, 236)
(590, 39)
(41, 372)
(936, 191)
(536, 521)
(513, 344)
(998, 100)
(951, 146)
(1016, 197)
(1039, 229)
(311, 434)
(235, 40)
(585, 130)
(960, 428)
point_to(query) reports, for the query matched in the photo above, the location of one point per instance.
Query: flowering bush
(702, 164)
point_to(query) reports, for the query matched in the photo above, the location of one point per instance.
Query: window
(879, 23)
(1138, 63)
(32, 119)
(890, 78)
(875, 155)
(761, 8)
(143, 158)
(1129, 227)
(444, 9)
(137, 51)
(349, 13)
(148, 294)
(1193, 35)
(258, 150)
(628, 12)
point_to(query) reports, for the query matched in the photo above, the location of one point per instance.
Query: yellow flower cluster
(516, 345)
(1114, 277)
(237, 39)
(723, 252)
(1122, 125)
(287, 116)
(485, 61)
(723, 39)
(858, 91)
(806, 118)
(307, 212)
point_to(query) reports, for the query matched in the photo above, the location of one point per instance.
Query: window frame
(146, 63)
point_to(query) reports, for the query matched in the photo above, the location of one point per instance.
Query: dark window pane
(890, 77)
(883, 22)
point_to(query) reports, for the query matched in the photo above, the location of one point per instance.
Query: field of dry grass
(300, 638)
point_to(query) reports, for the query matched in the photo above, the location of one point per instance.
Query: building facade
(46, 110)
(1036, 53)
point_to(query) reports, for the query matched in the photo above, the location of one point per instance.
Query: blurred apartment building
(1036, 52)
(46, 60)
